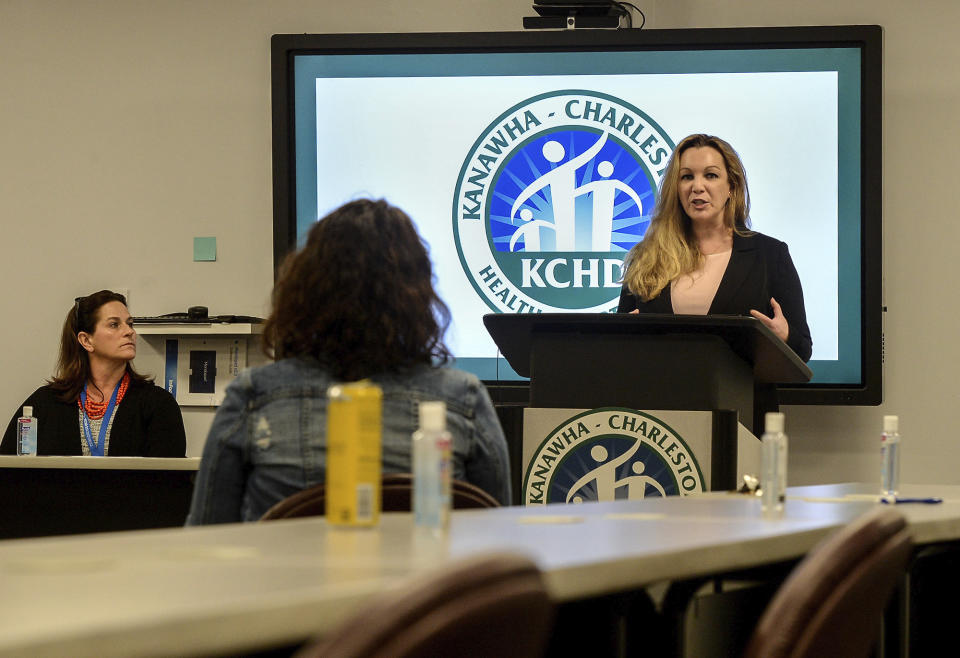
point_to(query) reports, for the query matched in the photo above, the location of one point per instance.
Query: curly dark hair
(73, 364)
(359, 296)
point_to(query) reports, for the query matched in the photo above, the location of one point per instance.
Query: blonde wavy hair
(669, 248)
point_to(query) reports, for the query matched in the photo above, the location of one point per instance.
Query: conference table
(243, 587)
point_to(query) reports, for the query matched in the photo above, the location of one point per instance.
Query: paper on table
(634, 516)
(553, 518)
(849, 498)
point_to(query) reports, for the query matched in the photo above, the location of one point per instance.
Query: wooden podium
(725, 364)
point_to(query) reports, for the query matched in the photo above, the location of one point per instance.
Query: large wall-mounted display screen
(530, 163)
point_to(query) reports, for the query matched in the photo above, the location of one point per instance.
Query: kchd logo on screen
(551, 197)
(611, 454)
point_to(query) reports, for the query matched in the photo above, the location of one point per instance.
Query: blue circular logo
(611, 454)
(552, 196)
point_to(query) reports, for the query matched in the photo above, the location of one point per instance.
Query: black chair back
(396, 495)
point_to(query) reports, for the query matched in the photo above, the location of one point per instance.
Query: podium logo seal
(550, 198)
(609, 454)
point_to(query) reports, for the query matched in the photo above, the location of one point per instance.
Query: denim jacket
(268, 438)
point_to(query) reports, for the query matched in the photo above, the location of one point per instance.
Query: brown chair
(495, 605)
(833, 601)
(396, 490)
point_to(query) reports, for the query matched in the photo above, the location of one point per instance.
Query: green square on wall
(204, 249)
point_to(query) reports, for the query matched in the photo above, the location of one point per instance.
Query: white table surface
(102, 463)
(243, 586)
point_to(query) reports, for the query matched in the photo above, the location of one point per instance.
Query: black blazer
(147, 423)
(760, 268)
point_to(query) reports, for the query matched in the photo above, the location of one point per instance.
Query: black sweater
(147, 423)
(760, 267)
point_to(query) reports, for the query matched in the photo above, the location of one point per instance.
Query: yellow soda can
(353, 453)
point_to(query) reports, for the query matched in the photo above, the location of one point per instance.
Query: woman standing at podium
(699, 257)
(97, 404)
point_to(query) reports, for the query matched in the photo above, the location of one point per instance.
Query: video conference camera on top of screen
(572, 14)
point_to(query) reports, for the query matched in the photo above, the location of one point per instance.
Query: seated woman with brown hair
(97, 404)
(357, 301)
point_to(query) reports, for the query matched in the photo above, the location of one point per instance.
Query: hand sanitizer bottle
(773, 479)
(890, 458)
(27, 433)
(431, 467)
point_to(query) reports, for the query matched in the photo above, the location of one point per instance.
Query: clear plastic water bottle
(773, 478)
(431, 467)
(890, 457)
(27, 433)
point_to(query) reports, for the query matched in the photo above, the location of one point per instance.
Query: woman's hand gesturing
(777, 324)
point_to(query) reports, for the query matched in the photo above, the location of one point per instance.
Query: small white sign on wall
(198, 370)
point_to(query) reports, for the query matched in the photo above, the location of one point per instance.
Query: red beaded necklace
(95, 410)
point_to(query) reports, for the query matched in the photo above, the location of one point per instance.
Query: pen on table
(925, 501)
(852, 498)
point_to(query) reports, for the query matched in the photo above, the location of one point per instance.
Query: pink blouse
(692, 294)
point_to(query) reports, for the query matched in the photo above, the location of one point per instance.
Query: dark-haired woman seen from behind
(357, 301)
(97, 404)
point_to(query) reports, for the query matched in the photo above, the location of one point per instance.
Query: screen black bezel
(867, 38)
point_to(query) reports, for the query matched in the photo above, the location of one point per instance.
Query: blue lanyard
(96, 449)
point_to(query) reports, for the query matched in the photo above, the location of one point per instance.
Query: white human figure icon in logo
(604, 193)
(637, 484)
(530, 231)
(605, 475)
(563, 192)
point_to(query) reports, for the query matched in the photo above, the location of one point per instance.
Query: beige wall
(127, 127)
